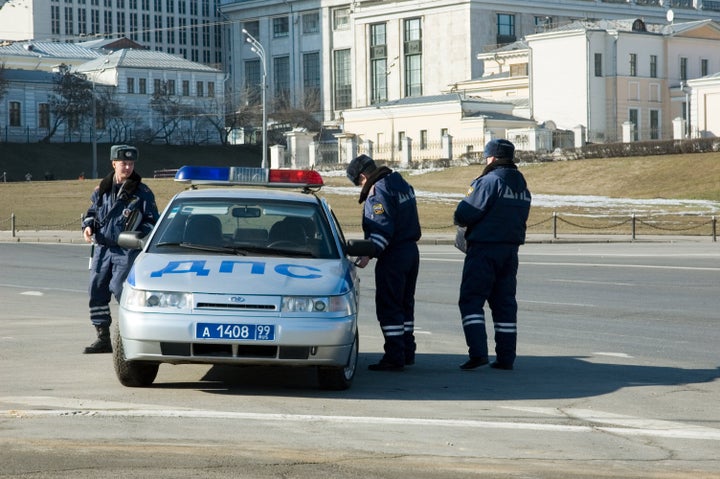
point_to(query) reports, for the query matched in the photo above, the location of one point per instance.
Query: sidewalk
(75, 237)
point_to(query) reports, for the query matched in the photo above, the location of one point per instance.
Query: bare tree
(70, 102)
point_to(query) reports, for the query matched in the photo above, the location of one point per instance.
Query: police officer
(120, 203)
(390, 221)
(495, 212)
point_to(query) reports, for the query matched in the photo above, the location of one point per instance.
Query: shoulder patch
(469, 191)
(378, 209)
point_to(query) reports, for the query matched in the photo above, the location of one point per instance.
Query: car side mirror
(359, 248)
(131, 240)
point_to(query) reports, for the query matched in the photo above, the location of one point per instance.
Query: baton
(92, 253)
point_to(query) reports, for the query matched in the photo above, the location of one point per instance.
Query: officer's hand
(87, 234)
(362, 261)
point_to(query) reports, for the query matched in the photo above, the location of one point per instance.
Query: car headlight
(319, 304)
(138, 298)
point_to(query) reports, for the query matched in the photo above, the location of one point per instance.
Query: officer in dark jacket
(120, 203)
(495, 212)
(390, 221)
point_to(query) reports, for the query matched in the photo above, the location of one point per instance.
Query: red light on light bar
(296, 177)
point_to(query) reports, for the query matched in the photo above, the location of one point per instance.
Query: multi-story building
(352, 54)
(187, 28)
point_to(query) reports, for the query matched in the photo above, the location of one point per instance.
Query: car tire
(339, 379)
(132, 374)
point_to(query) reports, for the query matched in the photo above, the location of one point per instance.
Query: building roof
(148, 59)
(49, 50)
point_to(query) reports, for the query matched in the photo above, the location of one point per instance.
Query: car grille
(210, 350)
(263, 307)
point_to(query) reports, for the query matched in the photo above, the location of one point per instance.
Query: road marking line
(627, 425)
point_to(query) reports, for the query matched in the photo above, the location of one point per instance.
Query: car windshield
(257, 227)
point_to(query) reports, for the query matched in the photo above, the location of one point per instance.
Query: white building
(192, 95)
(365, 58)
(187, 28)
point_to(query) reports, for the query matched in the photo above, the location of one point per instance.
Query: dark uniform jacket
(390, 216)
(496, 207)
(119, 207)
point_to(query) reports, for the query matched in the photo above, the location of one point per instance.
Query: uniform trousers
(490, 275)
(396, 275)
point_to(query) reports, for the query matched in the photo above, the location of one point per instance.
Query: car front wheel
(132, 373)
(339, 379)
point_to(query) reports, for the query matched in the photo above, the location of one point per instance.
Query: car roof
(248, 193)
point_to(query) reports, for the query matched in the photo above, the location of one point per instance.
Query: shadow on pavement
(437, 377)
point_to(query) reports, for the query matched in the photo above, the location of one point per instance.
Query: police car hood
(241, 275)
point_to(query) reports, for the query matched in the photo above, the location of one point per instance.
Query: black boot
(102, 343)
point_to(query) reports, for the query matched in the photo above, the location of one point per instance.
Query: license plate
(253, 332)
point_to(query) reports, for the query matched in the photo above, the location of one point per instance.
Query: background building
(188, 28)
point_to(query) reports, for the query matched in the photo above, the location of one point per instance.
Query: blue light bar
(238, 175)
(222, 175)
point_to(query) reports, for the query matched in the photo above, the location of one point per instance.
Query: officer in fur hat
(122, 202)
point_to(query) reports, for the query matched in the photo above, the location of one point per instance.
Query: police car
(244, 276)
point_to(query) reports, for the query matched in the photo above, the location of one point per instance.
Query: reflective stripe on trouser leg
(475, 335)
(505, 342)
(100, 315)
(394, 335)
(99, 288)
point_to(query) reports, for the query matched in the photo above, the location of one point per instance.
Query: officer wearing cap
(390, 221)
(495, 212)
(121, 202)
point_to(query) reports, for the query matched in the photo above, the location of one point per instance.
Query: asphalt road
(617, 376)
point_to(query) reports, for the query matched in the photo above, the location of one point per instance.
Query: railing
(632, 225)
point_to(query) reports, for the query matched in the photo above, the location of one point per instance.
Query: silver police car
(245, 276)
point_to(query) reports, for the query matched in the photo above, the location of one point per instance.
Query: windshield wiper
(205, 247)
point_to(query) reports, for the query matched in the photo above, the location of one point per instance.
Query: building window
(654, 124)
(68, 21)
(413, 57)
(704, 67)
(281, 27)
(423, 140)
(142, 86)
(342, 79)
(311, 23)
(186, 88)
(633, 64)
(519, 70)
(506, 28)
(253, 82)
(130, 85)
(253, 28)
(82, 22)
(15, 119)
(633, 117)
(211, 89)
(378, 63)
(683, 68)
(199, 89)
(598, 65)
(171, 90)
(653, 66)
(43, 115)
(158, 87)
(281, 76)
(55, 20)
(341, 19)
(311, 81)
(401, 137)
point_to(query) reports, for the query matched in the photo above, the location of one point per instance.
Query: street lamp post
(94, 121)
(258, 49)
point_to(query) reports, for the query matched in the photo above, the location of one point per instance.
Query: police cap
(361, 164)
(123, 153)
